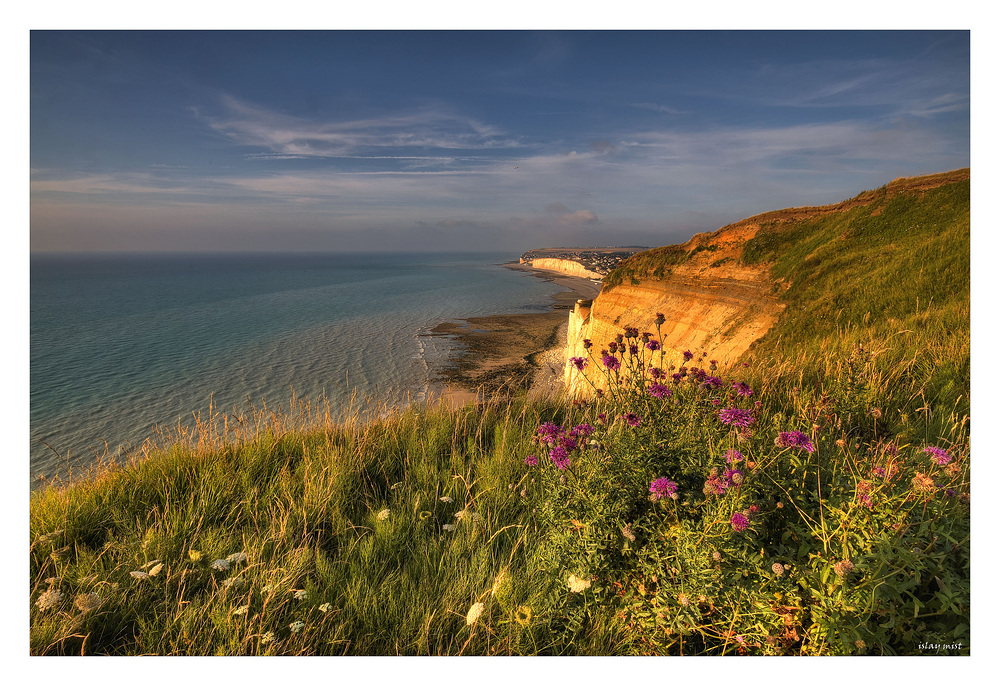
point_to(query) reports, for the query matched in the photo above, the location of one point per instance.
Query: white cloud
(656, 107)
(291, 136)
(578, 218)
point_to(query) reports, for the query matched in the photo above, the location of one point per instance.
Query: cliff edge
(712, 298)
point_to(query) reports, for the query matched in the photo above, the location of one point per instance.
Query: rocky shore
(505, 354)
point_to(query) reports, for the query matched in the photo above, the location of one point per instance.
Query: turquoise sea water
(122, 344)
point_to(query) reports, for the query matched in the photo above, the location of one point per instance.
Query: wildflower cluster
(651, 418)
(794, 439)
(561, 441)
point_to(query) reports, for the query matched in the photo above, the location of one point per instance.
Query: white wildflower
(446, 499)
(297, 626)
(268, 637)
(234, 582)
(448, 527)
(150, 564)
(88, 601)
(474, 613)
(49, 599)
(577, 584)
(460, 514)
(383, 515)
(221, 565)
(52, 580)
(139, 575)
(237, 557)
(301, 595)
(325, 607)
(156, 570)
(241, 610)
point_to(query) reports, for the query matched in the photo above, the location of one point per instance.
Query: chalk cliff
(565, 267)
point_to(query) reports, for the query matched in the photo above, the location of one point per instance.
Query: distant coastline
(582, 287)
(501, 354)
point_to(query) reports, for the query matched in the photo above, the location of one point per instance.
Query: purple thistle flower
(688, 355)
(531, 460)
(865, 500)
(941, 456)
(660, 319)
(742, 389)
(549, 428)
(733, 456)
(587, 344)
(735, 416)
(633, 349)
(602, 417)
(660, 391)
(662, 488)
(653, 345)
(578, 362)
(611, 362)
(712, 382)
(632, 419)
(550, 432)
(582, 430)
(559, 457)
(656, 373)
(739, 521)
(794, 439)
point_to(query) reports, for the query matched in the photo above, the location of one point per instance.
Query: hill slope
(894, 261)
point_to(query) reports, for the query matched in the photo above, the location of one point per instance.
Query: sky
(471, 140)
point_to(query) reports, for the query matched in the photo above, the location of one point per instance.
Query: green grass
(303, 505)
(870, 360)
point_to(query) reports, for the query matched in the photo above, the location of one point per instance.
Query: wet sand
(505, 354)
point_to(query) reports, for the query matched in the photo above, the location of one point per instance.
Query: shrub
(712, 516)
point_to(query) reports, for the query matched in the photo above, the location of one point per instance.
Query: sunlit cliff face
(709, 304)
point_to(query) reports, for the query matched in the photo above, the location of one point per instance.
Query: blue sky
(469, 140)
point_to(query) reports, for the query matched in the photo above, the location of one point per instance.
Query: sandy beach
(503, 354)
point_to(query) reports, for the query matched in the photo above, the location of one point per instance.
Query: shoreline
(500, 355)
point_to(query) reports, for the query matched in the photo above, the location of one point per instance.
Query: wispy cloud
(657, 107)
(290, 136)
(894, 86)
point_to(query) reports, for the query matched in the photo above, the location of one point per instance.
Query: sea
(122, 345)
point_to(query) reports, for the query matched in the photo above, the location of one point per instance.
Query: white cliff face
(567, 267)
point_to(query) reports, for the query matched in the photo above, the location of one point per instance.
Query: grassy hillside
(812, 500)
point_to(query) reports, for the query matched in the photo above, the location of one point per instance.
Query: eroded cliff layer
(711, 298)
(709, 303)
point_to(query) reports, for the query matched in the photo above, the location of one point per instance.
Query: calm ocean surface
(121, 344)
